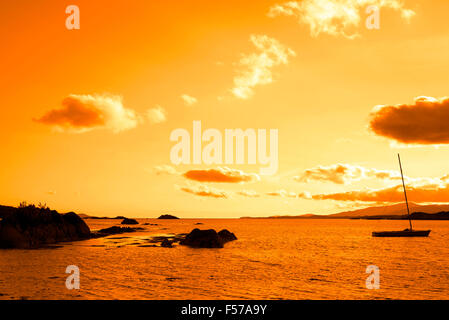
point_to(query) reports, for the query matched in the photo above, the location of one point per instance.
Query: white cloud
(165, 169)
(347, 173)
(334, 17)
(202, 190)
(248, 193)
(257, 66)
(287, 194)
(189, 100)
(157, 114)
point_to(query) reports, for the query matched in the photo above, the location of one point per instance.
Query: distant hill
(395, 211)
(444, 215)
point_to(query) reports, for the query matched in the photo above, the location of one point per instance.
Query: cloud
(423, 122)
(82, 113)
(345, 173)
(289, 194)
(188, 100)
(257, 66)
(204, 191)
(157, 114)
(248, 193)
(334, 17)
(221, 175)
(424, 193)
(165, 169)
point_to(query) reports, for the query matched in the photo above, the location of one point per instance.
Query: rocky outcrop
(207, 238)
(31, 227)
(113, 230)
(226, 236)
(6, 210)
(167, 216)
(129, 221)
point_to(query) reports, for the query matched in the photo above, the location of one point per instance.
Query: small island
(167, 216)
(129, 221)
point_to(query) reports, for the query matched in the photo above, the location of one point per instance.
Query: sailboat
(407, 232)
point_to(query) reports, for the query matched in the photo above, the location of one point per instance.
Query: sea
(276, 259)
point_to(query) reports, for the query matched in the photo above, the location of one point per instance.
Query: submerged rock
(129, 221)
(167, 216)
(32, 227)
(166, 243)
(207, 238)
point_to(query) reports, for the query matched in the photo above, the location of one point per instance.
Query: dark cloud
(81, 113)
(424, 193)
(423, 122)
(221, 175)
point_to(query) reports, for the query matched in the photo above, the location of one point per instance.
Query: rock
(85, 216)
(207, 238)
(129, 221)
(226, 235)
(198, 223)
(113, 230)
(167, 216)
(6, 210)
(167, 243)
(31, 227)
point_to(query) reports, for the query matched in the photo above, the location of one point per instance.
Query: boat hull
(404, 233)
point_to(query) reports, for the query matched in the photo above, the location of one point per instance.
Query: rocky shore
(31, 227)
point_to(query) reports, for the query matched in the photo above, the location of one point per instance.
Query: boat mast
(405, 193)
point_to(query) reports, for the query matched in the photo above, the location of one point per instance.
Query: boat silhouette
(409, 232)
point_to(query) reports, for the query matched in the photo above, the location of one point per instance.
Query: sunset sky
(87, 114)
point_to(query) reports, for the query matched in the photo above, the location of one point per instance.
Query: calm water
(273, 259)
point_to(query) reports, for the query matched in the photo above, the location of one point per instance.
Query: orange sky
(319, 88)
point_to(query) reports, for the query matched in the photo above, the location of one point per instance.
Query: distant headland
(392, 212)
